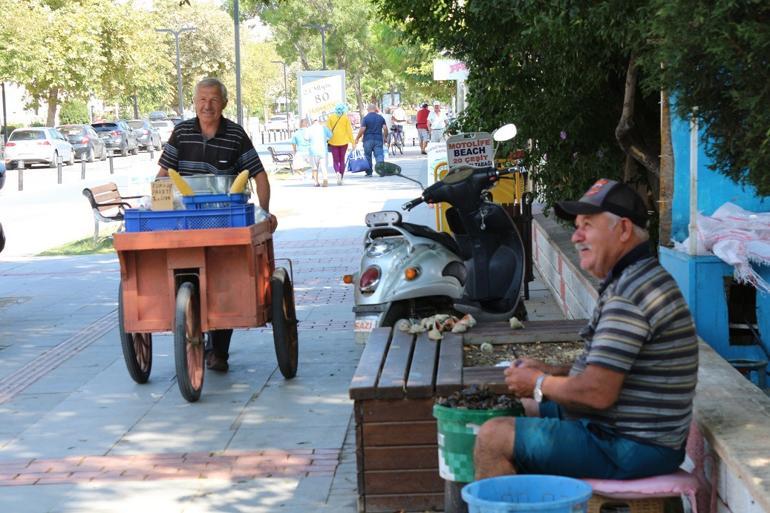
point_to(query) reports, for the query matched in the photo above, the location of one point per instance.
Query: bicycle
(396, 140)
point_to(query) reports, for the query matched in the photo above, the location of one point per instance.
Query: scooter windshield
(457, 175)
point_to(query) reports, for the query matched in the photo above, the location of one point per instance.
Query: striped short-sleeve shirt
(229, 152)
(642, 327)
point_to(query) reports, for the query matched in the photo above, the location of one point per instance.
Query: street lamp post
(321, 28)
(285, 93)
(176, 33)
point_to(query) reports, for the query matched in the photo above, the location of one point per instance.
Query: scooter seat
(442, 238)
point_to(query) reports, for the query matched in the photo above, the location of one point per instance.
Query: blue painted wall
(714, 189)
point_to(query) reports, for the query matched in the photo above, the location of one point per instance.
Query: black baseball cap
(606, 196)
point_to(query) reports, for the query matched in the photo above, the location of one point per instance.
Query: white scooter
(412, 271)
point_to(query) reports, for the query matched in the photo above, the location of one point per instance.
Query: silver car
(37, 145)
(165, 127)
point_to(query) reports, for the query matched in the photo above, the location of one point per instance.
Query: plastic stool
(643, 495)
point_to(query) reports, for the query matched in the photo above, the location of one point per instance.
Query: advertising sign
(320, 92)
(470, 149)
(449, 69)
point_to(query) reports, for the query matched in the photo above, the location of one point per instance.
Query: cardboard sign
(470, 149)
(162, 195)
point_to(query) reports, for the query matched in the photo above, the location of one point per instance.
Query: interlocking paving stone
(229, 465)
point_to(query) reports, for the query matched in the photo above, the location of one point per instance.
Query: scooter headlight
(369, 279)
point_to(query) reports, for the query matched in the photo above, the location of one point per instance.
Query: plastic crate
(199, 201)
(201, 219)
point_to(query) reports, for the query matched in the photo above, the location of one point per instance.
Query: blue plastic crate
(199, 201)
(201, 219)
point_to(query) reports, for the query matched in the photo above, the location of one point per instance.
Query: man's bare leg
(493, 453)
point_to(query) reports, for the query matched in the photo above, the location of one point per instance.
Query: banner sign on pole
(470, 149)
(320, 92)
(449, 69)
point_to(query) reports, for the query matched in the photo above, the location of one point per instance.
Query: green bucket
(457, 428)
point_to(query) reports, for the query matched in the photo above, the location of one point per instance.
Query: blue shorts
(579, 448)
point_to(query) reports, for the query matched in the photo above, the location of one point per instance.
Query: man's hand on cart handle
(273, 223)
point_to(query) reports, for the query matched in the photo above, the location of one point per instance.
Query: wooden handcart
(191, 282)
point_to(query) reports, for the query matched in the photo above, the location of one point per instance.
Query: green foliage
(377, 57)
(74, 112)
(557, 71)
(716, 57)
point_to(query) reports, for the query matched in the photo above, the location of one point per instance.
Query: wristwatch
(537, 393)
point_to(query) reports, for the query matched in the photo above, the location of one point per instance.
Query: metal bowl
(210, 184)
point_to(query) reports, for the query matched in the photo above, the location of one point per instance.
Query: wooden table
(394, 387)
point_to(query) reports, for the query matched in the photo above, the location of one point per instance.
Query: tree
(375, 56)
(558, 71)
(716, 57)
(582, 80)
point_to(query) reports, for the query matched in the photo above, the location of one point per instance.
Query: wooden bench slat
(403, 481)
(491, 377)
(394, 410)
(364, 382)
(421, 379)
(383, 434)
(533, 331)
(450, 364)
(392, 382)
(401, 457)
(388, 503)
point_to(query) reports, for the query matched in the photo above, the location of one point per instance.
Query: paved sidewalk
(78, 435)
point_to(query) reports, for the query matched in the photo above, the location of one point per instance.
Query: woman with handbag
(342, 136)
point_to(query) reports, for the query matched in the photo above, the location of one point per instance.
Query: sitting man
(623, 409)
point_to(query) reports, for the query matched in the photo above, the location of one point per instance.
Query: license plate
(361, 325)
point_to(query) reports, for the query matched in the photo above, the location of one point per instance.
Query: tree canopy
(582, 80)
(376, 56)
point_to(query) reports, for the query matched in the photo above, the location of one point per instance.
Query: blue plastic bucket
(527, 493)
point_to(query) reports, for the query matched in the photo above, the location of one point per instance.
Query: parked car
(157, 115)
(85, 142)
(38, 145)
(146, 134)
(278, 122)
(118, 137)
(164, 127)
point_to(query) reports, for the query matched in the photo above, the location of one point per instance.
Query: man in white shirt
(437, 123)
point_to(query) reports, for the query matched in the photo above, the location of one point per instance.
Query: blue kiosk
(732, 318)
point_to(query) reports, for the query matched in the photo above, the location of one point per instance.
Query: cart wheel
(137, 348)
(188, 343)
(284, 323)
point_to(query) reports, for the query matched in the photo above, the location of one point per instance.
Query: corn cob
(239, 184)
(180, 183)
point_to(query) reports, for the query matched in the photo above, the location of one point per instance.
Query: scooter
(410, 271)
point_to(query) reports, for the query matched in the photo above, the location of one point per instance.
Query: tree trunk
(302, 56)
(359, 94)
(626, 132)
(666, 171)
(53, 103)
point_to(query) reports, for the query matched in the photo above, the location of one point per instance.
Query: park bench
(108, 205)
(282, 159)
(398, 378)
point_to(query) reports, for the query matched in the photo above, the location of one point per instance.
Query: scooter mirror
(387, 169)
(505, 133)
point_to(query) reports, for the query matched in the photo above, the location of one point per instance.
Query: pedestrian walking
(300, 146)
(374, 131)
(212, 144)
(342, 136)
(423, 128)
(437, 122)
(318, 135)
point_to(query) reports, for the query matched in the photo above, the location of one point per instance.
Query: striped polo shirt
(229, 152)
(641, 326)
